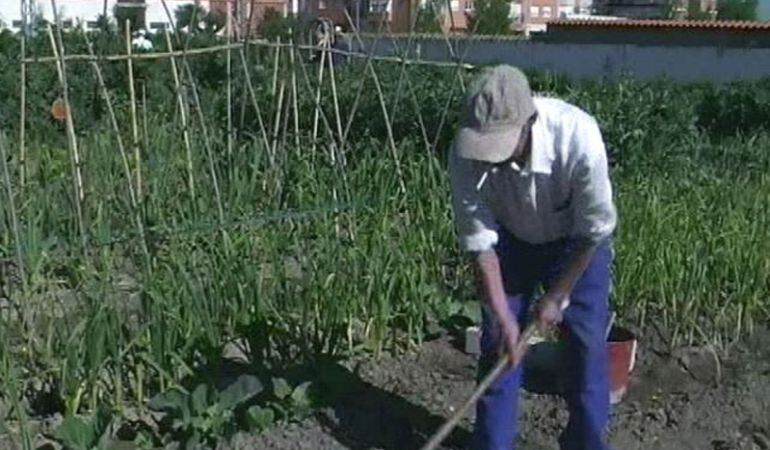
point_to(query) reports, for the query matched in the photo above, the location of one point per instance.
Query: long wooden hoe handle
(499, 368)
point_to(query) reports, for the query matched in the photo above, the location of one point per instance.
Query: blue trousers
(524, 267)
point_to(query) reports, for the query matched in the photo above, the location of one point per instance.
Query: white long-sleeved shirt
(563, 191)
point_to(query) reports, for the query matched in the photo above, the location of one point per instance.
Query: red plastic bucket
(621, 346)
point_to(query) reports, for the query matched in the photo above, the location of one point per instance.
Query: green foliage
(694, 11)
(290, 403)
(202, 417)
(737, 9)
(491, 17)
(193, 18)
(736, 108)
(84, 433)
(259, 418)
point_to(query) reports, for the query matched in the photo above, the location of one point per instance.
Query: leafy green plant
(290, 403)
(84, 432)
(206, 414)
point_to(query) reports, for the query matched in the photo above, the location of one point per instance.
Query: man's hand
(510, 337)
(549, 311)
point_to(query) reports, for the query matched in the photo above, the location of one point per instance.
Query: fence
(687, 64)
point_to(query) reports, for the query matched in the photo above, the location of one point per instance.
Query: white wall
(602, 60)
(85, 10)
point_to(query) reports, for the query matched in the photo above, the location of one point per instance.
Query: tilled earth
(686, 399)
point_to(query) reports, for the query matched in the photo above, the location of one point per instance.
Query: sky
(89, 9)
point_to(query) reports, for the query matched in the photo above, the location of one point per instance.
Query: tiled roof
(669, 24)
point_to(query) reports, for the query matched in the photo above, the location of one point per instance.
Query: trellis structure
(335, 126)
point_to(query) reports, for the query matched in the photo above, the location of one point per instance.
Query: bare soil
(690, 398)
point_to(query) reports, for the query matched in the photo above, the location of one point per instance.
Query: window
(321, 4)
(157, 25)
(92, 24)
(469, 6)
(546, 11)
(455, 5)
(534, 11)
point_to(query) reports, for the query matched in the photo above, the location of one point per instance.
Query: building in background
(655, 9)
(679, 33)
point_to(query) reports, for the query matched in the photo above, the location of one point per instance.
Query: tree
(186, 15)
(491, 17)
(195, 19)
(275, 25)
(429, 17)
(695, 11)
(737, 9)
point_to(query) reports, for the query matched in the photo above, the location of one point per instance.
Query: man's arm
(477, 231)
(490, 286)
(556, 300)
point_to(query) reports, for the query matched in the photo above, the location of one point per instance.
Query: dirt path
(677, 401)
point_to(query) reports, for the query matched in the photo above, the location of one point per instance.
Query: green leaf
(243, 389)
(299, 395)
(173, 401)
(259, 418)
(281, 388)
(75, 433)
(199, 399)
(143, 441)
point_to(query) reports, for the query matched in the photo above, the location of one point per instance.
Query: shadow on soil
(362, 416)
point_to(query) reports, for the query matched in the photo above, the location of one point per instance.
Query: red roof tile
(688, 24)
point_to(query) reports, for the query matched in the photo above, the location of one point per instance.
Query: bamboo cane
(23, 98)
(183, 118)
(77, 177)
(295, 103)
(255, 103)
(134, 123)
(229, 31)
(259, 43)
(333, 80)
(502, 365)
(277, 123)
(275, 67)
(317, 109)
